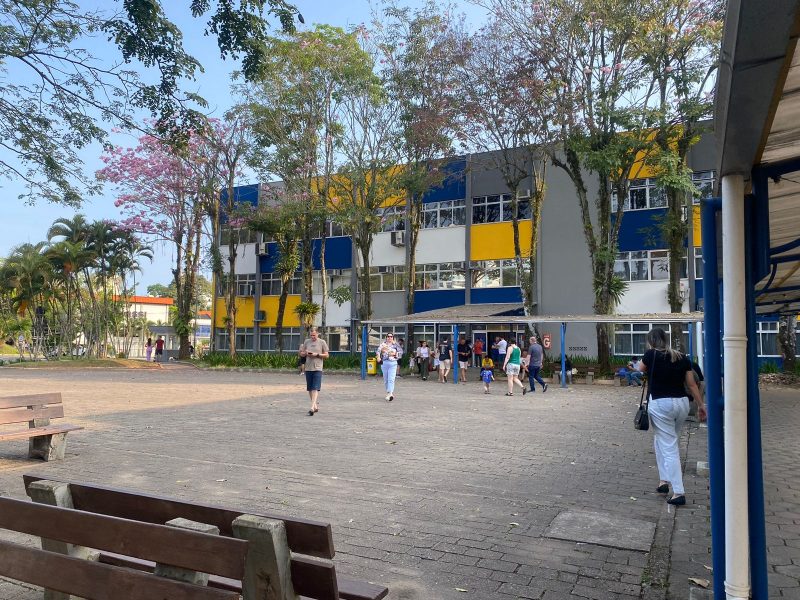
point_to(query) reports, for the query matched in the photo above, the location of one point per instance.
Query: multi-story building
(465, 257)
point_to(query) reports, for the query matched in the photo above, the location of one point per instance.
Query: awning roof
(508, 314)
(757, 120)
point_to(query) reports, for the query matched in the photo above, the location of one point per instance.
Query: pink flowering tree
(163, 195)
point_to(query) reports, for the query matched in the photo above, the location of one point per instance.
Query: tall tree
(56, 96)
(506, 117)
(165, 199)
(419, 48)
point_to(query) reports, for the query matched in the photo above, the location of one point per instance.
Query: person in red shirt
(159, 349)
(477, 350)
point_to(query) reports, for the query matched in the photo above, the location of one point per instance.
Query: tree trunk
(281, 311)
(230, 296)
(365, 295)
(787, 342)
(413, 222)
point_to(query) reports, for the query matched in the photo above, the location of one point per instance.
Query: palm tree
(68, 259)
(127, 254)
(27, 276)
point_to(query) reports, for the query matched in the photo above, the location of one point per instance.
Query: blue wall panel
(242, 194)
(454, 185)
(267, 263)
(640, 230)
(338, 253)
(433, 299)
(498, 294)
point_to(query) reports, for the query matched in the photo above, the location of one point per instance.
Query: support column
(714, 402)
(737, 547)
(455, 353)
(563, 355)
(363, 352)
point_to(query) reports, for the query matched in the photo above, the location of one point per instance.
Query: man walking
(160, 349)
(315, 351)
(536, 356)
(464, 353)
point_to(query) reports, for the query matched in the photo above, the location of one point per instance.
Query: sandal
(507, 394)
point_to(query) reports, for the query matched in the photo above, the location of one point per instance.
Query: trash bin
(372, 366)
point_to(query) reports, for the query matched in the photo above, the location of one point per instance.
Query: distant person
(630, 372)
(502, 347)
(567, 370)
(669, 375)
(477, 350)
(536, 354)
(464, 353)
(424, 360)
(445, 355)
(487, 377)
(525, 363)
(389, 354)
(315, 351)
(148, 350)
(487, 363)
(160, 349)
(512, 366)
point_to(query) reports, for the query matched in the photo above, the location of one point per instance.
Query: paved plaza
(444, 493)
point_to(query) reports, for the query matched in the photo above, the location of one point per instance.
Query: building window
(393, 218)
(245, 339)
(271, 284)
(642, 194)
(444, 214)
(440, 276)
(241, 235)
(268, 340)
(426, 333)
(498, 208)
(246, 285)
(644, 265)
(387, 279)
(704, 181)
(334, 229)
(767, 332)
(698, 263)
(338, 339)
(630, 339)
(220, 339)
(494, 273)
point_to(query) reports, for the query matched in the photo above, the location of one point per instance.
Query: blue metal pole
(563, 355)
(691, 340)
(363, 352)
(713, 370)
(455, 353)
(754, 236)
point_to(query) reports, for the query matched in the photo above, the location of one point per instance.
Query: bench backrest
(87, 579)
(311, 578)
(19, 409)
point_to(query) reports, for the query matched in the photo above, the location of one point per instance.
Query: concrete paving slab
(603, 529)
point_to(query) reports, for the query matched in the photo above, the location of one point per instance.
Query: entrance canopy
(506, 314)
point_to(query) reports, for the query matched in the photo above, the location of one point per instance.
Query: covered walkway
(756, 268)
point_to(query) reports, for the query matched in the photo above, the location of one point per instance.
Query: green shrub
(275, 360)
(769, 367)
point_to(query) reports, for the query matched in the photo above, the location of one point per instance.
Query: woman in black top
(669, 376)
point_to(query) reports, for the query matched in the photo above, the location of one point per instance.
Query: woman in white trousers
(669, 376)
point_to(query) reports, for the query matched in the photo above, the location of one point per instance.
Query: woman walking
(669, 376)
(512, 366)
(148, 349)
(388, 354)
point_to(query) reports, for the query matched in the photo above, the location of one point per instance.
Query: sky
(21, 223)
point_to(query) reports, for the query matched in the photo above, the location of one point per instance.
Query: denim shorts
(313, 380)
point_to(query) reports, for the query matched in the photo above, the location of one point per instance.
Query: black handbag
(641, 420)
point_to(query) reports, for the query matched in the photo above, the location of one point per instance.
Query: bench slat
(312, 538)
(95, 581)
(160, 543)
(38, 431)
(20, 415)
(350, 589)
(30, 400)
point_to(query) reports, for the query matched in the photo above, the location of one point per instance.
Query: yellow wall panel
(494, 241)
(245, 311)
(697, 238)
(270, 305)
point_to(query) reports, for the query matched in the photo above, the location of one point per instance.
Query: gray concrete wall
(702, 156)
(388, 304)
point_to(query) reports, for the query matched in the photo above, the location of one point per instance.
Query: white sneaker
(387, 397)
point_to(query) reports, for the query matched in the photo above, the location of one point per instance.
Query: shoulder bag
(641, 420)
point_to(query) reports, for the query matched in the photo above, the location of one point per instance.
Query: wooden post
(179, 573)
(55, 493)
(268, 574)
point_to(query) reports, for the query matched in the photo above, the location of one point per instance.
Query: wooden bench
(67, 563)
(46, 441)
(313, 574)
